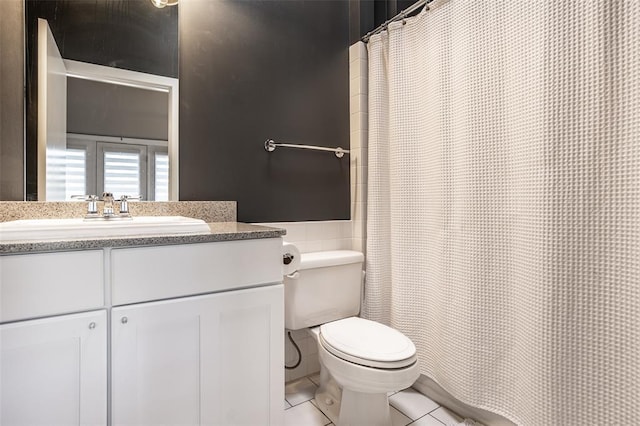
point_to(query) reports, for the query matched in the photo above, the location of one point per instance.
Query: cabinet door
(54, 371)
(214, 359)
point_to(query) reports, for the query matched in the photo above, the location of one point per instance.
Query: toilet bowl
(361, 361)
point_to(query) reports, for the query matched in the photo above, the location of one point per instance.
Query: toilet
(360, 360)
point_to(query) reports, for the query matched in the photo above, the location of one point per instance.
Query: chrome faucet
(108, 211)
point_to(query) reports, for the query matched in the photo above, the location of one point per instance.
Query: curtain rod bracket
(400, 16)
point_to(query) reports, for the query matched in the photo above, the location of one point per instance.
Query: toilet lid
(367, 343)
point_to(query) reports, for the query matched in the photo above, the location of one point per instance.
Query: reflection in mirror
(113, 134)
(111, 111)
(117, 140)
(52, 116)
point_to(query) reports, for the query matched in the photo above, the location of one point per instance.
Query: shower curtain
(503, 227)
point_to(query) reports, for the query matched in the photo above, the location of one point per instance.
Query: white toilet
(361, 360)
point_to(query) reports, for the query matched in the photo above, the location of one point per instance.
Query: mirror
(103, 129)
(120, 58)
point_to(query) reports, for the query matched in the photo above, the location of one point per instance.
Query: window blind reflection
(122, 173)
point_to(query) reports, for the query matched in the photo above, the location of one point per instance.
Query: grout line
(328, 421)
(299, 403)
(414, 421)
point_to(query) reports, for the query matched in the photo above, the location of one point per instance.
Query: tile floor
(408, 407)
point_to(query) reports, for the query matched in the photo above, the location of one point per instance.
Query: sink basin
(65, 229)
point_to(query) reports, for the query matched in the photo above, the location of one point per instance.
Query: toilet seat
(367, 343)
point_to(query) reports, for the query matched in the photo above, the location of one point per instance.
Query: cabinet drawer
(155, 273)
(35, 285)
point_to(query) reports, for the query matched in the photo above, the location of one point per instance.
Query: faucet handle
(124, 203)
(92, 206)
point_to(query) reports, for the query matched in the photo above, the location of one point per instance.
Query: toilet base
(355, 408)
(329, 395)
(349, 408)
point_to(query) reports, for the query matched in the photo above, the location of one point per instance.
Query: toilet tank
(326, 287)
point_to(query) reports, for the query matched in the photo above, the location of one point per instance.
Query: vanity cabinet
(54, 370)
(214, 357)
(199, 360)
(174, 334)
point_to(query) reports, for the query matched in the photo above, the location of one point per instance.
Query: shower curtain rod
(399, 16)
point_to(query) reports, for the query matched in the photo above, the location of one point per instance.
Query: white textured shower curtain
(503, 227)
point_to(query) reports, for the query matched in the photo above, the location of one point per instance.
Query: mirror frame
(122, 77)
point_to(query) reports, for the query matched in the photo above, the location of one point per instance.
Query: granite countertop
(220, 231)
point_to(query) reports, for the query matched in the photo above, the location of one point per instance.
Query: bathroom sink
(57, 229)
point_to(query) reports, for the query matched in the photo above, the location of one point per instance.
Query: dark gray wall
(365, 15)
(105, 109)
(361, 19)
(386, 9)
(11, 100)
(253, 70)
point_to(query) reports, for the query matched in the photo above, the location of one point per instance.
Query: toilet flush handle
(294, 276)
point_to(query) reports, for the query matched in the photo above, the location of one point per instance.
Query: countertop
(219, 231)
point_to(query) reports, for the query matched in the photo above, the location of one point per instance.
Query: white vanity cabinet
(199, 360)
(54, 371)
(176, 334)
(215, 358)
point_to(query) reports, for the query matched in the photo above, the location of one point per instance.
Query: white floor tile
(305, 414)
(408, 407)
(412, 403)
(299, 391)
(398, 419)
(427, 421)
(446, 416)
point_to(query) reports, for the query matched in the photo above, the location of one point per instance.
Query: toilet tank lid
(321, 259)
